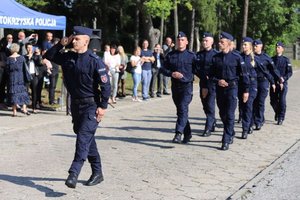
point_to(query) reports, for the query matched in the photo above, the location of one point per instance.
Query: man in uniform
(278, 98)
(83, 71)
(227, 67)
(179, 65)
(207, 87)
(263, 84)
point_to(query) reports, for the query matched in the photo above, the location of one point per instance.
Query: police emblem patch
(104, 78)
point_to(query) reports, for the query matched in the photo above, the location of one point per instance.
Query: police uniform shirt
(82, 74)
(181, 61)
(284, 66)
(146, 65)
(229, 66)
(268, 63)
(204, 63)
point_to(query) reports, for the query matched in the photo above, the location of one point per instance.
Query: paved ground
(139, 160)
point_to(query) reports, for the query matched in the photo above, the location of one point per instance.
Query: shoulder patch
(104, 78)
(94, 55)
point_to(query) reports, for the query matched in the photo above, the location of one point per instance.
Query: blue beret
(256, 42)
(226, 36)
(181, 34)
(207, 34)
(80, 30)
(279, 44)
(247, 39)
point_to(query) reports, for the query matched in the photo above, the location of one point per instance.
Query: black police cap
(80, 30)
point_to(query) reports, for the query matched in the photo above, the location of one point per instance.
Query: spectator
(136, 62)
(122, 73)
(167, 47)
(3, 77)
(23, 40)
(157, 75)
(106, 54)
(114, 62)
(17, 92)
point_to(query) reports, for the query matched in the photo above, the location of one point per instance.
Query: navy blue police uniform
(204, 63)
(229, 67)
(278, 98)
(269, 75)
(253, 65)
(83, 73)
(182, 89)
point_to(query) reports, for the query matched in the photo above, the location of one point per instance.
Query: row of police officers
(227, 77)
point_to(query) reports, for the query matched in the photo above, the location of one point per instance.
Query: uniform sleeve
(53, 54)
(273, 70)
(166, 69)
(213, 71)
(103, 79)
(265, 71)
(289, 71)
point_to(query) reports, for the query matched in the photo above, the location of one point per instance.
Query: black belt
(83, 100)
(261, 78)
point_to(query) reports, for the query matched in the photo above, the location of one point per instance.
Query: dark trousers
(40, 86)
(52, 86)
(182, 94)
(278, 100)
(209, 104)
(259, 102)
(157, 79)
(247, 108)
(85, 125)
(33, 87)
(227, 103)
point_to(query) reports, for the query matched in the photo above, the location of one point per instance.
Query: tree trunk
(161, 29)
(191, 43)
(175, 18)
(197, 39)
(245, 24)
(137, 23)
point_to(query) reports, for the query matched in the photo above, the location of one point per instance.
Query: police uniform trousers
(182, 94)
(85, 125)
(240, 99)
(278, 100)
(209, 106)
(259, 101)
(227, 103)
(247, 107)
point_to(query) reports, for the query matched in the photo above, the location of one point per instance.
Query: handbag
(27, 76)
(129, 68)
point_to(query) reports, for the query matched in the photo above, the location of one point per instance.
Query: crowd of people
(22, 69)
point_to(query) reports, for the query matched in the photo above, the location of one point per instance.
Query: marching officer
(179, 65)
(83, 72)
(227, 67)
(278, 98)
(271, 76)
(207, 87)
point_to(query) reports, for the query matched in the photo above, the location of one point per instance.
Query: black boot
(71, 180)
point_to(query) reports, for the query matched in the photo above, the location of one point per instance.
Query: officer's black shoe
(71, 180)
(231, 140)
(186, 139)
(225, 146)
(95, 179)
(250, 130)
(239, 120)
(206, 133)
(177, 138)
(280, 122)
(244, 134)
(258, 127)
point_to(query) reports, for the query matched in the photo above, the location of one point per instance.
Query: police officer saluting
(227, 67)
(179, 66)
(207, 87)
(83, 72)
(278, 98)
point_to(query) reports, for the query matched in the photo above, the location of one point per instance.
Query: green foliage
(34, 4)
(159, 8)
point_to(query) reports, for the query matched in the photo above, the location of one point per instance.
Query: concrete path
(139, 160)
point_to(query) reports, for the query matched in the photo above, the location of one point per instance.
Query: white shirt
(137, 59)
(31, 67)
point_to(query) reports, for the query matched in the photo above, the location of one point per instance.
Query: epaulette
(236, 52)
(191, 52)
(93, 55)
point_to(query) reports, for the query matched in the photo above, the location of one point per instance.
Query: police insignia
(104, 78)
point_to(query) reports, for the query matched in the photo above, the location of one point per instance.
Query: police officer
(83, 71)
(253, 66)
(179, 66)
(227, 67)
(207, 87)
(278, 98)
(271, 75)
